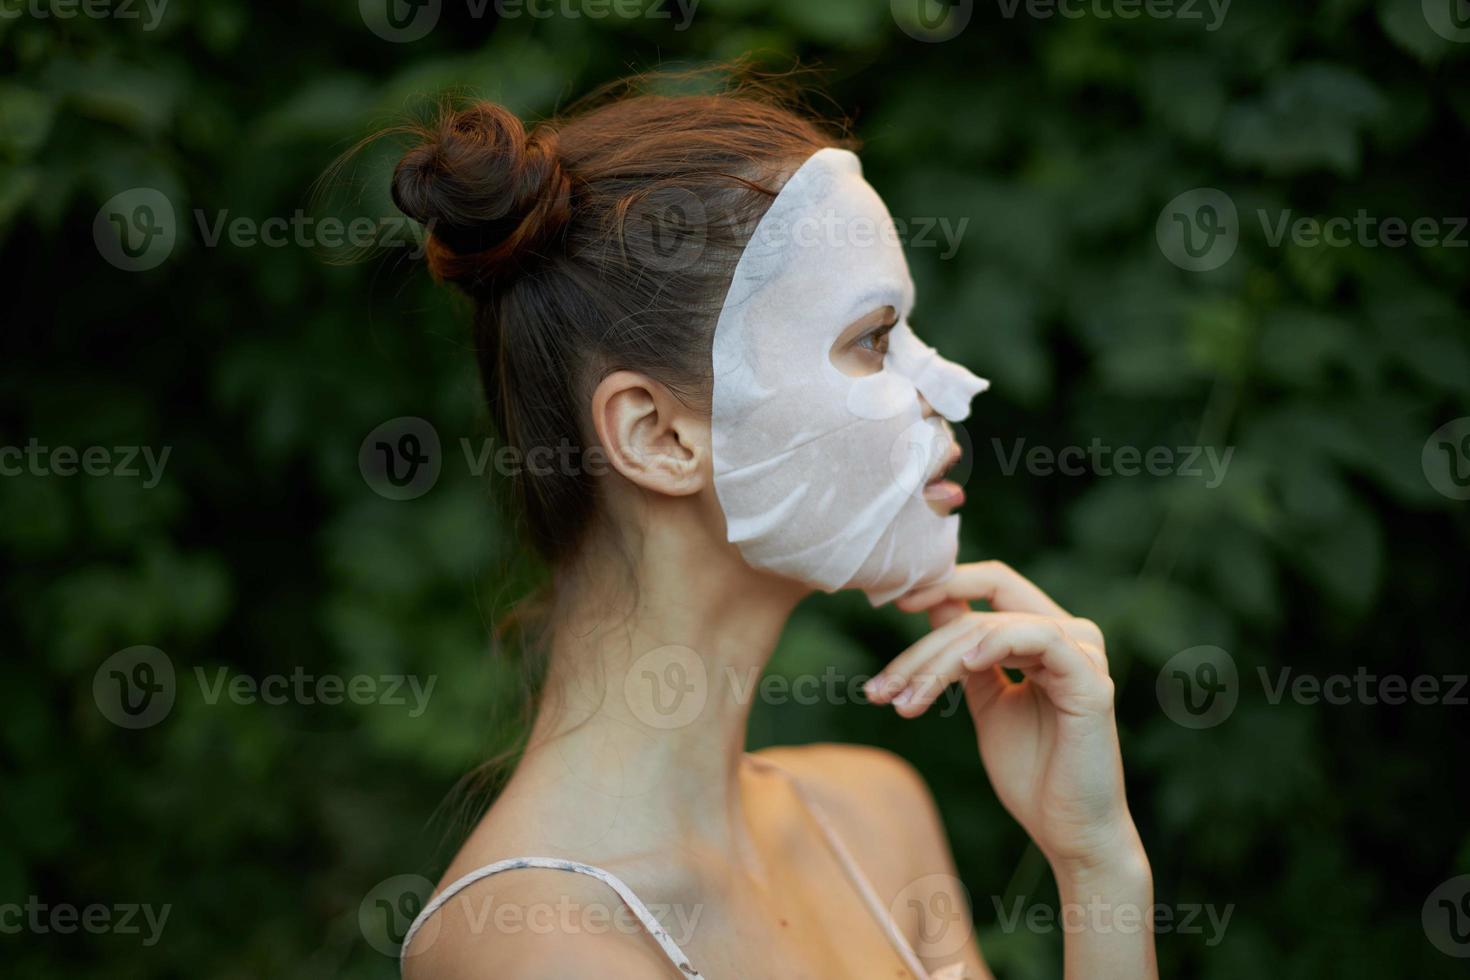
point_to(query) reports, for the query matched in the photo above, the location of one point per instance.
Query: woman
(696, 307)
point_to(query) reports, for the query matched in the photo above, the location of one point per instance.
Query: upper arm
(901, 845)
(534, 924)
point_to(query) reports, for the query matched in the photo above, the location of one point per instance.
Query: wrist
(1119, 864)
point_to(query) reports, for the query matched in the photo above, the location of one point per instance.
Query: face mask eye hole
(863, 347)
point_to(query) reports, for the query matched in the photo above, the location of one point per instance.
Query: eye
(862, 347)
(875, 341)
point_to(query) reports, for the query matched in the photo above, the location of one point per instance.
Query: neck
(649, 692)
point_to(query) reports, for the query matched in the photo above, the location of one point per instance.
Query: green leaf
(1311, 118)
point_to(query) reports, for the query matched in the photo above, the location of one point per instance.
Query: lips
(945, 464)
(944, 492)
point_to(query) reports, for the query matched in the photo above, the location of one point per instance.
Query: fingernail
(904, 699)
(971, 659)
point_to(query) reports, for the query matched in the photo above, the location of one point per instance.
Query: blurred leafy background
(263, 550)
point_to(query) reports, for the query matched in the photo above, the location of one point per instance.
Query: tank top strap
(855, 875)
(650, 922)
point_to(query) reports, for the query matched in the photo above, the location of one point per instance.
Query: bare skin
(721, 849)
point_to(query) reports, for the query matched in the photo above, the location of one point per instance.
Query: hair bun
(489, 194)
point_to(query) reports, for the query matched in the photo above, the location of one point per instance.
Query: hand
(1049, 743)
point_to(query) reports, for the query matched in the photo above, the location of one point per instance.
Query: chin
(913, 554)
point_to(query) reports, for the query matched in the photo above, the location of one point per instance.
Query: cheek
(884, 395)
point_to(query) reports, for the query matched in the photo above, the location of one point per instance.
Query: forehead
(827, 246)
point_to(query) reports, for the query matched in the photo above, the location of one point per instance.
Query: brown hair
(600, 240)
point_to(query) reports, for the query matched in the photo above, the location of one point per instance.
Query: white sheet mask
(820, 474)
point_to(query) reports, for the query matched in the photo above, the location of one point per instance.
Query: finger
(948, 641)
(927, 685)
(1006, 589)
(1071, 679)
(893, 678)
(922, 599)
(935, 653)
(925, 682)
(983, 686)
(1086, 631)
(1094, 653)
(946, 612)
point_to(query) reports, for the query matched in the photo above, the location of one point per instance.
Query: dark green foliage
(261, 550)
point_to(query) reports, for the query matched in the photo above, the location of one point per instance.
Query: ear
(651, 437)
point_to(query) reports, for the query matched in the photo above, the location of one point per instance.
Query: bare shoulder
(534, 924)
(885, 813)
(845, 768)
(876, 797)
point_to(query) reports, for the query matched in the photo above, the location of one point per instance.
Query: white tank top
(675, 955)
